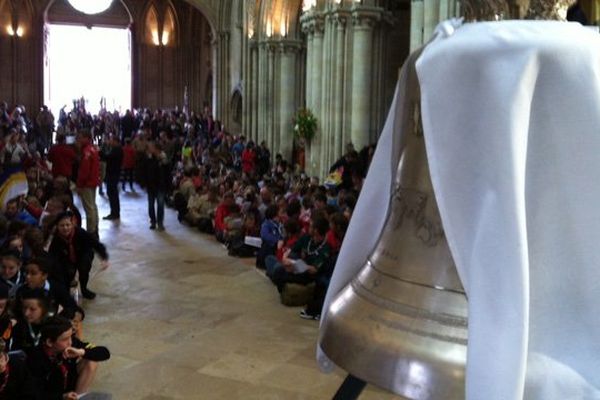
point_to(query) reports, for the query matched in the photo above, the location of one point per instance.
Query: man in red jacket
(88, 179)
(62, 156)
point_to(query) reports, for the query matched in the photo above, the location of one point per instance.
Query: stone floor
(185, 321)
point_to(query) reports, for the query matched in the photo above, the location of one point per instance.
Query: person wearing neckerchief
(74, 249)
(10, 272)
(60, 369)
(36, 277)
(312, 249)
(33, 311)
(15, 379)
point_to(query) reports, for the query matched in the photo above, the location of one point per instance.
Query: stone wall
(160, 72)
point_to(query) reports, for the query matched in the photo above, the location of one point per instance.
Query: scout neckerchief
(34, 336)
(60, 363)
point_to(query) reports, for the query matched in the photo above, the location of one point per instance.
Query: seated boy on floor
(36, 277)
(270, 234)
(236, 245)
(61, 369)
(224, 216)
(201, 209)
(305, 260)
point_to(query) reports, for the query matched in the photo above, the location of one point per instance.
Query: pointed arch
(169, 29)
(5, 15)
(208, 12)
(16, 15)
(293, 10)
(126, 16)
(151, 28)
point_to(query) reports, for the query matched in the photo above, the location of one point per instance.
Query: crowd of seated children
(27, 318)
(43, 253)
(237, 195)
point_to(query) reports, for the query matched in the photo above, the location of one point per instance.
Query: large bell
(402, 322)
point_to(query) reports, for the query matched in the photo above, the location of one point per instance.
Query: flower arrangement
(305, 125)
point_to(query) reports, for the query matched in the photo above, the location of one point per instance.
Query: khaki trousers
(88, 199)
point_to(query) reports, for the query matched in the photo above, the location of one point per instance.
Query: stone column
(262, 92)
(416, 24)
(431, 17)
(271, 143)
(222, 81)
(363, 21)
(309, 64)
(252, 92)
(325, 110)
(338, 98)
(287, 96)
(247, 86)
(444, 10)
(314, 162)
(215, 76)
(312, 26)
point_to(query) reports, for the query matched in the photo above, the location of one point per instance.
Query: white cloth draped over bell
(511, 118)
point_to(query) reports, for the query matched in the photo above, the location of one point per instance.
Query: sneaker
(111, 217)
(153, 226)
(305, 315)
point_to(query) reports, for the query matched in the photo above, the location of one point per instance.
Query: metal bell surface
(401, 323)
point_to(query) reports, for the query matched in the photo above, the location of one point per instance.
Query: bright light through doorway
(91, 63)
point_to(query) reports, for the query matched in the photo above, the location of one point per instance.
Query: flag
(13, 183)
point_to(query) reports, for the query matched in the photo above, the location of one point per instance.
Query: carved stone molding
(366, 17)
(270, 45)
(289, 46)
(313, 23)
(340, 18)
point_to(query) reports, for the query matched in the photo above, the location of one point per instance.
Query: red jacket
(128, 157)
(248, 160)
(221, 213)
(89, 168)
(62, 157)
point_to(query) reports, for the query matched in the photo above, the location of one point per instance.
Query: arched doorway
(87, 58)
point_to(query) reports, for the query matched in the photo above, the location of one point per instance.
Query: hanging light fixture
(91, 6)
